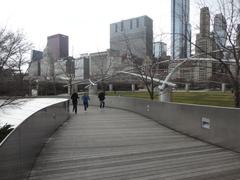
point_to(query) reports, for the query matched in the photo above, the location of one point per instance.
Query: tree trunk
(237, 97)
(236, 91)
(151, 96)
(30, 88)
(150, 90)
(21, 85)
(54, 86)
(70, 85)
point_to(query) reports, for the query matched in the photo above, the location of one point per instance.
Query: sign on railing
(205, 123)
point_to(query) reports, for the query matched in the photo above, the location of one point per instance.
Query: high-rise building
(64, 68)
(204, 22)
(180, 29)
(134, 34)
(35, 66)
(82, 67)
(36, 55)
(203, 47)
(57, 46)
(238, 35)
(159, 49)
(219, 29)
(229, 53)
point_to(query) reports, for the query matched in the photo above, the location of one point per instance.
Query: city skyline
(87, 23)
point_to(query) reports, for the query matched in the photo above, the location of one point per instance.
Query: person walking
(74, 98)
(85, 99)
(101, 97)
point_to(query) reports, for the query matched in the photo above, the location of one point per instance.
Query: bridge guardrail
(20, 148)
(215, 125)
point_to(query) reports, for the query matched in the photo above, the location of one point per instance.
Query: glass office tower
(220, 30)
(180, 29)
(159, 49)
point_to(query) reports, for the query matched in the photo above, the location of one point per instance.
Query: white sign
(205, 123)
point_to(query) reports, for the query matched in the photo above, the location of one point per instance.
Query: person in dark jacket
(101, 97)
(85, 99)
(74, 98)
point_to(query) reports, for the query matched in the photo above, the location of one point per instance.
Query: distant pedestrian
(74, 98)
(85, 99)
(101, 97)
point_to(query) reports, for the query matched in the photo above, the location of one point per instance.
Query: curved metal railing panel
(20, 148)
(216, 125)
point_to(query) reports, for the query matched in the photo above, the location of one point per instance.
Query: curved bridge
(119, 144)
(116, 144)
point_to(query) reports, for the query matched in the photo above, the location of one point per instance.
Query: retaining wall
(216, 125)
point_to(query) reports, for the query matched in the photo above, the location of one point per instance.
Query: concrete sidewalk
(116, 144)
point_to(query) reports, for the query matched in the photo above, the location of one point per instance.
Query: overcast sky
(86, 22)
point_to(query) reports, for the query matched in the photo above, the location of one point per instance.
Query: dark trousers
(75, 107)
(102, 104)
(85, 104)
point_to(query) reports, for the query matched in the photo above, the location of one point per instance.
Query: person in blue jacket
(85, 99)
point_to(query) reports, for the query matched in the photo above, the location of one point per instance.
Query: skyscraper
(57, 46)
(180, 29)
(135, 34)
(203, 39)
(205, 22)
(36, 55)
(219, 29)
(219, 35)
(159, 49)
(35, 65)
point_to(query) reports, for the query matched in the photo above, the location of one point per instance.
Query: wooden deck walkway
(116, 144)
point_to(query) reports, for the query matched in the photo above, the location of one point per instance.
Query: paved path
(115, 144)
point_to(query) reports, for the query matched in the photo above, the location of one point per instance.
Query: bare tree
(67, 71)
(222, 46)
(8, 101)
(102, 67)
(227, 43)
(14, 49)
(48, 68)
(148, 68)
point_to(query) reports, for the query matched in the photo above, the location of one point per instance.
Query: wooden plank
(116, 144)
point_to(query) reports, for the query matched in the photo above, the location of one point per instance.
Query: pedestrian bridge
(118, 144)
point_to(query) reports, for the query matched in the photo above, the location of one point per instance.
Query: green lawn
(130, 94)
(214, 98)
(204, 98)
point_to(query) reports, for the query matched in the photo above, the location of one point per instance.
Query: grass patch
(214, 98)
(204, 98)
(137, 94)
